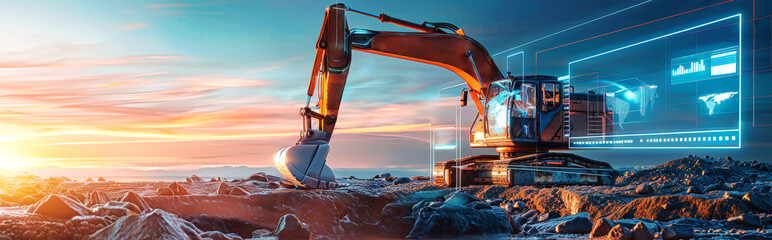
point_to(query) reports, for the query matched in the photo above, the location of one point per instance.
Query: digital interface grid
(684, 91)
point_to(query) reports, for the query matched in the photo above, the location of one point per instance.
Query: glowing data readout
(703, 66)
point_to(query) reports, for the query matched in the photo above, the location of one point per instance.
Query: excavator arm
(305, 163)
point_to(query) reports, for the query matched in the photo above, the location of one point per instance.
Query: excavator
(523, 117)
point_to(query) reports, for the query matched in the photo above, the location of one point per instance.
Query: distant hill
(229, 172)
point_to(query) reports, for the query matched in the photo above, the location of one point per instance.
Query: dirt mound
(156, 224)
(58, 206)
(683, 206)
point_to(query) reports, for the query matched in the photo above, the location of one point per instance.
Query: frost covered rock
(746, 219)
(578, 223)
(136, 199)
(641, 232)
(762, 203)
(196, 179)
(58, 206)
(290, 227)
(97, 197)
(178, 189)
(401, 180)
(156, 224)
(677, 232)
(601, 227)
(644, 189)
(455, 220)
(164, 191)
(619, 232)
(223, 189)
(238, 191)
(461, 198)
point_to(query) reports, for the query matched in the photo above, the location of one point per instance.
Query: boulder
(274, 185)
(641, 232)
(762, 188)
(223, 189)
(401, 180)
(762, 203)
(97, 197)
(736, 185)
(215, 235)
(390, 179)
(164, 191)
(101, 179)
(76, 196)
(519, 205)
(114, 211)
(58, 206)
(461, 198)
(156, 224)
(396, 220)
(286, 184)
(530, 214)
(630, 223)
(178, 189)
(543, 217)
(601, 227)
(479, 205)
(644, 189)
(456, 220)
(419, 178)
(677, 232)
(290, 227)
(196, 179)
(694, 190)
(261, 177)
(136, 199)
(746, 219)
(716, 186)
(619, 232)
(577, 225)
(133, 208)
(238, 191)
(382, 175)
(508, 207)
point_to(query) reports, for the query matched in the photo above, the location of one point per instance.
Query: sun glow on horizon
(9, 160)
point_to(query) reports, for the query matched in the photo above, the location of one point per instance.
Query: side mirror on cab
(464, 98)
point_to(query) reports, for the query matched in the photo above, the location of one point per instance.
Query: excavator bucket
(305, 166)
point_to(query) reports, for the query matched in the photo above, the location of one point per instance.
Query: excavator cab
(521, 112)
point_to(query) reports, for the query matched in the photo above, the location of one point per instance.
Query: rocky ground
(692, 197)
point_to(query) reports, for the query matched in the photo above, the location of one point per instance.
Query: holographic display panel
(678, 90)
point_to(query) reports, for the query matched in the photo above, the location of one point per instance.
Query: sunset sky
(184, 85)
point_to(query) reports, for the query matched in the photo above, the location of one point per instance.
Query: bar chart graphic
(693, 68)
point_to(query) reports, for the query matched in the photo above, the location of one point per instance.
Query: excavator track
(540, 169)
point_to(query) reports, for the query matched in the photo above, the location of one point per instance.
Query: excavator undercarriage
(539, 169)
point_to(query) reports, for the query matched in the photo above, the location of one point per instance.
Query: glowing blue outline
(739, 129)
(657, 134)
(444, 147)
(522, 68)
(567, 29)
